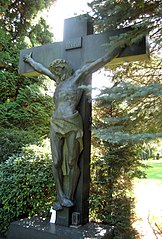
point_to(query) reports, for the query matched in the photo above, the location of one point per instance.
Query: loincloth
(63, 127)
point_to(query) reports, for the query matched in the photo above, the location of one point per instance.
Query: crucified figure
(66, 128)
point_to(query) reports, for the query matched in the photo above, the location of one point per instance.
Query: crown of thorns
(58, 62)
(62, 64)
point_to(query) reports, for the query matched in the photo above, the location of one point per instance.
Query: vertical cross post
(74, 30)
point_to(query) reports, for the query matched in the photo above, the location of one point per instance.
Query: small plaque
(53, 216)
(75, 218)
(73, 43)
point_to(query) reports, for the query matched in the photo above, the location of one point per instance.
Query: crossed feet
(64, 202)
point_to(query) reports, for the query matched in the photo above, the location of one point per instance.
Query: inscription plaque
(73, 43)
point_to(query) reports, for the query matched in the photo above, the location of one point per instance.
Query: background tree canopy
(126, 115)
(26, 106)
(136, 86)
(25, 110)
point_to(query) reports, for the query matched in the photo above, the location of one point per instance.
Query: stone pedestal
(40, 228)
(63, 217)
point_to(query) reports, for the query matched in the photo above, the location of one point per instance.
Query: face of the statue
(61, 69)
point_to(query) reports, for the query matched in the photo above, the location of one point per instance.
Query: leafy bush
(12, 140)
(111, 196)
(31, 109)
(26, 185)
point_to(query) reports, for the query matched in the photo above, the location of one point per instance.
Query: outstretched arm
(96, 65)
(38, 66)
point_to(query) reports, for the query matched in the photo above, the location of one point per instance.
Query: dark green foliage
(110, 14)
(12, 140)
(40, 33)
(16, 16)
(25, 105)
(24, 120)
(111, 199)
(122, 123)
(31, 109)
(26, 181)
(26, 185)
(125, 115)
(135, 107)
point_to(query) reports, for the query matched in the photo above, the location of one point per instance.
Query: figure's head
(61, 69)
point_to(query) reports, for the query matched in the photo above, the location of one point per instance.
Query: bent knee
(72, 163)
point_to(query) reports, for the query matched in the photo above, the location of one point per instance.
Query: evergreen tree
(127, 114)
(25, 111)
(141, 14)
(25, 107)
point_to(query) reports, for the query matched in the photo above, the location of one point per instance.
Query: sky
(63, 9)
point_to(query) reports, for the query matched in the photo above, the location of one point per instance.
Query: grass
(148, 193)
(154, 172)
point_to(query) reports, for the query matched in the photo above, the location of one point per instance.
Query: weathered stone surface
(80, 46)
(40, 228)
(71, 50)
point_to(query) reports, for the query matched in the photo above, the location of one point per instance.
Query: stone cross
(80, 46)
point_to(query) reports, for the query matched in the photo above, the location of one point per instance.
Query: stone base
(40, 228)
(63, 217)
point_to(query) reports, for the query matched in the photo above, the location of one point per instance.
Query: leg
(73, 155)
(57, 155)
(56, 149)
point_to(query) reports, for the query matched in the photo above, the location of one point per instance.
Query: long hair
(61, 69)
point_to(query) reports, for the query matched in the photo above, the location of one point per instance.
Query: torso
(66, 98)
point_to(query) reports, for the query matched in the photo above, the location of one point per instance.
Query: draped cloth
(63, 127)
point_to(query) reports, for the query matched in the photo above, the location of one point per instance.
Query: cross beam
(80, 42)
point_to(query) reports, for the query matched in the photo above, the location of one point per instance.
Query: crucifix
(70, 64)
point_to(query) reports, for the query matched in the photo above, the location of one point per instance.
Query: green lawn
(148, 193)
(155, 170)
